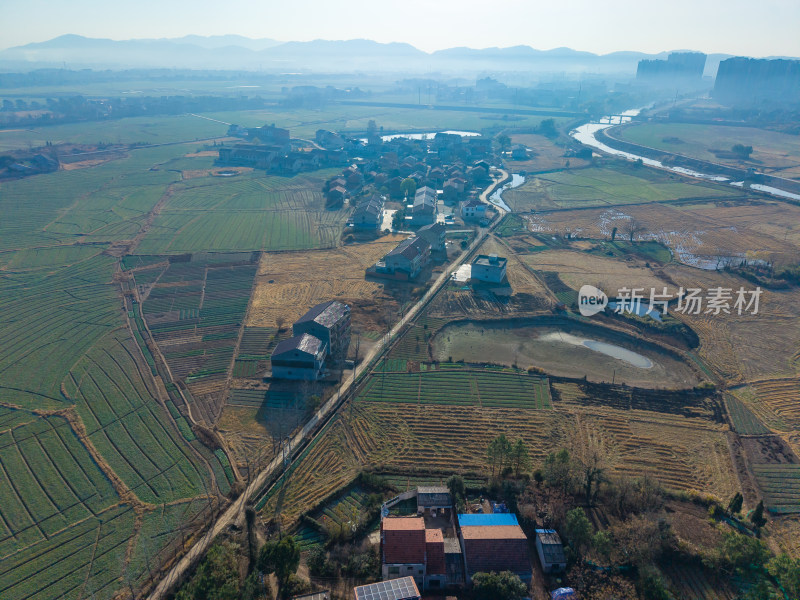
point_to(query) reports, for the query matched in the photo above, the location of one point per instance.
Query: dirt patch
(289, 283)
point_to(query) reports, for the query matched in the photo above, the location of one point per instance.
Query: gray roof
(425, 196)
(434, 228)
(303, 343)
(552, 549)
(326, 314)
(411, 247)
(452, 546)
(492, 260)
(433, 495)
(323, 595)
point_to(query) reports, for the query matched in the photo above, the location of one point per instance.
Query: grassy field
(354, 119)
(446, 384)
(772, 151)
(133, 130)
(613, 185)
(250, 212)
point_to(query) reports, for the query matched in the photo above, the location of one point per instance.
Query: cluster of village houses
(437, 548)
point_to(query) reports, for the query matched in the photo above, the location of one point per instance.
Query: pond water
(496, 197)
(632, 358)
(570, 350)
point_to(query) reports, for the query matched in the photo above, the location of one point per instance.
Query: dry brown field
(576, 268)
(695, 232)
(289, 283)
(684, 453)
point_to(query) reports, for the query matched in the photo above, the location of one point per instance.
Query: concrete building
(494, 543)
(435, 235)
(550, 550)
(398, 589)
(369, 214)
(473, 209)
(403, 541)
(490, 268)
(404, 262)
(424, 209)
(434, 500)
(330, 322)
(435, 569)
(299, 357)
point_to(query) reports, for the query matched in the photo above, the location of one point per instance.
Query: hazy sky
(750, 27)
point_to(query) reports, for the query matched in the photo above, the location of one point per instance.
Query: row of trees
(503, 456)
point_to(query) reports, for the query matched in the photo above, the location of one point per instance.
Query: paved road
(235, 512)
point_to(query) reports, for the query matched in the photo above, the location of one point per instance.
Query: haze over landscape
(399, 300)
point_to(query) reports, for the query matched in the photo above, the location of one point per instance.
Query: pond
(570, 350)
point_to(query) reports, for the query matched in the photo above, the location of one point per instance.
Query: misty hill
(232, 52)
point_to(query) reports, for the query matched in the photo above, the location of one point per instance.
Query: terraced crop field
(470, 387)
(194, 313)
(780, 484)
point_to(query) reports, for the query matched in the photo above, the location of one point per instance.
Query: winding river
(585, 134)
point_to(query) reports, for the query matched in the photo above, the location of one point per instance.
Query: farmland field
(444, 384)
(773, 152)
(250, 212)
(286, 285)
(699, 233)
(599, 187)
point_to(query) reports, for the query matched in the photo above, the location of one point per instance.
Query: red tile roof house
(496, 548)
(403, 548)
(410, 550)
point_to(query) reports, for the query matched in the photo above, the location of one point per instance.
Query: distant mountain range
(233, 52)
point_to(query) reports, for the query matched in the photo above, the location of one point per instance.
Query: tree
(602, 543)
(787, 571)
(281, 558)
(458, 490)
(578, 529)
(520, 457)
(735, 505)
(504, 142)
(408, 187)
(557, 470)
(634, 228)
(742, 151)
(217, 577)
(742, 552)
(651, 584)
(757, 517)
(548, 128)
(498, 452)
(590, 463)
(505, 585)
